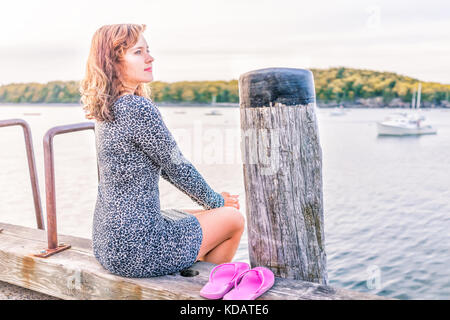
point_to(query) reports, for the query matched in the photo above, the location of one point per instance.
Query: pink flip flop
(221, 279)
(254, 283)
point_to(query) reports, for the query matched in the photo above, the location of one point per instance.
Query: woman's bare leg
(195, 212)
(222, 229)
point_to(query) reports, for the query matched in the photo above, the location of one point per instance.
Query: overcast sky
(49, 40)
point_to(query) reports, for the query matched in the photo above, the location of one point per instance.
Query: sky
(49, 40)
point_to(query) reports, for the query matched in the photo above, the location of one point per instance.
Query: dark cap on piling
(288, 86)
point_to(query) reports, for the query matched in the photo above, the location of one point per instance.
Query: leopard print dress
(130, 236)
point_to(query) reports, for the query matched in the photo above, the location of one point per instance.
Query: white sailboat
(403, 124)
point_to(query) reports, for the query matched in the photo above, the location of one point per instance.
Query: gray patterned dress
(131, 237)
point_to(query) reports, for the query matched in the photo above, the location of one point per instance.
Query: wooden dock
(76, 274)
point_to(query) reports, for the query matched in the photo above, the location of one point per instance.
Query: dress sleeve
(151, 134)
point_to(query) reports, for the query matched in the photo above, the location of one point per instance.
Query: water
(386, 200)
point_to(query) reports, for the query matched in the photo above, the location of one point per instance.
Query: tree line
(332, 85)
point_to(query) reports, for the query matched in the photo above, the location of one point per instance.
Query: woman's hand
(230, 200)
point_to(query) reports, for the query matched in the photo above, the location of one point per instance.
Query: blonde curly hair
(101, 85)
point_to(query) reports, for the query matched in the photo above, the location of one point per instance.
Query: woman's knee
(237, 218)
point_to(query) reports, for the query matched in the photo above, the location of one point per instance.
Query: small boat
(180, 112)
(31, 114)
(406, 124)
(338, 111)
(213, 113)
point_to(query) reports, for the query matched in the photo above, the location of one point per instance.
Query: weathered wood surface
(75, 274)
(282, 161)
(10, 291)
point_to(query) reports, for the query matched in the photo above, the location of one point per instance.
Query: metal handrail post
(31, 166)
(52, 236)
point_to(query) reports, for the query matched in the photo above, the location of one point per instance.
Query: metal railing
(31, 166)
(52, 236)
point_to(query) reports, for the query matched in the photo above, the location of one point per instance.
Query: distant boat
(338, 111)
(404, 124)
(31, 114)
(213, 113)
(180, 112)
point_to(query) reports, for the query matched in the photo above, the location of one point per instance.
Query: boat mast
(413, 102)
(418, 96)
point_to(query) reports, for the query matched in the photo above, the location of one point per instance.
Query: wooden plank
(76, 274)
(12, 292)
(41, 236)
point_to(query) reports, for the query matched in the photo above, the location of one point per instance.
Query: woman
(134, 147)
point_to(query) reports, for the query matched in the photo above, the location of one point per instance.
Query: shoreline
(225, 105)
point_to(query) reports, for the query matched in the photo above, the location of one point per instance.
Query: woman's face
(137, 65)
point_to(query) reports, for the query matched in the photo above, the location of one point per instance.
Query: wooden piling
(282, 161)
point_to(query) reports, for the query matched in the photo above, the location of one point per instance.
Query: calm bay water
(386, 200)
